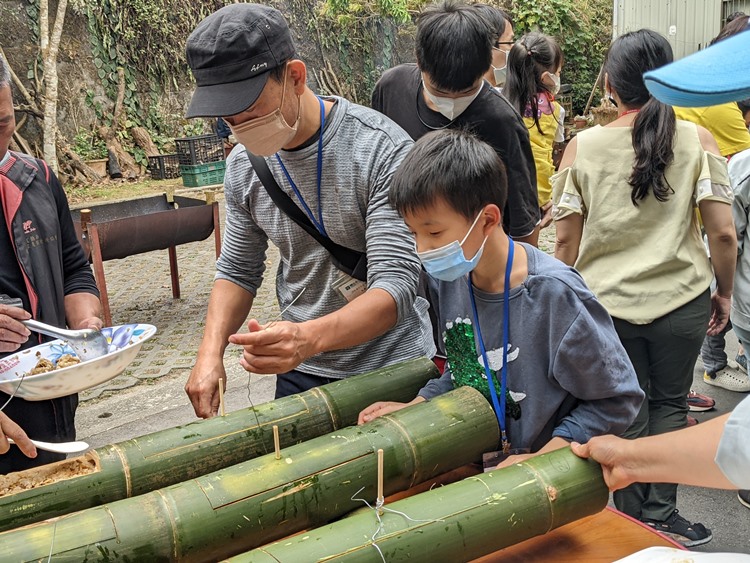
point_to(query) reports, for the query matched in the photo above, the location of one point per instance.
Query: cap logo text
(258, 67)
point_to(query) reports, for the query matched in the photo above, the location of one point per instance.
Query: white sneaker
(729, 378)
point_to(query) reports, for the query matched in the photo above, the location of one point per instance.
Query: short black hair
(496, 18)
(277, 72)
(454, 45)
(451, 165)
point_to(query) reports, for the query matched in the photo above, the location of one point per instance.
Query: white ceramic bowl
(124, 343)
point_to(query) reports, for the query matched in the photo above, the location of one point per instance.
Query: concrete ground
(149, 396)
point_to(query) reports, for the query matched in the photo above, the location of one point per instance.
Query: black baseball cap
(231, 53)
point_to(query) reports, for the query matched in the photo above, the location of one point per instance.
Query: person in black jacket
(44, 266)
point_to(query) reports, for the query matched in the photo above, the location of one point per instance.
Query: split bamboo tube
(163, 458)
(460, 522)
(258, 501)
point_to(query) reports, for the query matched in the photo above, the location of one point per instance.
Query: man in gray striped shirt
(335, 160)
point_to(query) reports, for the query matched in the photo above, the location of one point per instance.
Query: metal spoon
(87, 343)
(60, 448)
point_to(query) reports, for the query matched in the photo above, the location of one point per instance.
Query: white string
(249, 376)
(52, 543)
(379, 509)
(257, 420)
(23, 376)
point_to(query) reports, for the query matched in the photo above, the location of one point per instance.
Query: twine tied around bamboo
(379, 509)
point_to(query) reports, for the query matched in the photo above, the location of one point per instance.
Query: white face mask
(451, 107)
(500, 74)
(555, 88)
(267, 135)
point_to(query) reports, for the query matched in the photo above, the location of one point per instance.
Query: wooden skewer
(381, 498)
(276, 444)
(222, 412)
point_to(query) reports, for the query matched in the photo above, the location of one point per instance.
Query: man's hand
(382, 408)
(274, 348)
(12, 430)
(613, 454)
(12, 332)
(203, 385)
(720, 307)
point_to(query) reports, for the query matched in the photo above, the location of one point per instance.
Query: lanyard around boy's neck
(317, 221)
(498, 404)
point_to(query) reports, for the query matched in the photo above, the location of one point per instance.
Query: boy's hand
(384, 407)
(513, 459)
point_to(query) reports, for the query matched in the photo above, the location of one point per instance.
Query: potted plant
(92, 150)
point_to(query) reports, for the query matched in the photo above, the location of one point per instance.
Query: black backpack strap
(347, 260)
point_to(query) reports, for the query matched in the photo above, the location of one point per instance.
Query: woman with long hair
(625, 197)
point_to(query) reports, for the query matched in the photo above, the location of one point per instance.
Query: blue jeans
(712, 351)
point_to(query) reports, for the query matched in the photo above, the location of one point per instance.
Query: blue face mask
(448, 262)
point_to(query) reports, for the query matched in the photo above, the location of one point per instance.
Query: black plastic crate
(164, 166)
(199, 150)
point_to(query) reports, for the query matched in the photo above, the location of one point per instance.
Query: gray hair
(4, 72)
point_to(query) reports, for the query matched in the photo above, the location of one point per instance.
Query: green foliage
(89, 146)
(357, 41)
(194, 128)
(583, 29)
(146, 38)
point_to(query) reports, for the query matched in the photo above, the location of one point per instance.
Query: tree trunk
(77, 165)
(163, 458)
(129, 166)
(459, 522)
(143, 139)
(49, 45)
(252, 503)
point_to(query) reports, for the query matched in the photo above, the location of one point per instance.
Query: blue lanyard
(317, 221)
(499, 405)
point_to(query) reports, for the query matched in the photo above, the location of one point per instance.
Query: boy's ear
(491, 218)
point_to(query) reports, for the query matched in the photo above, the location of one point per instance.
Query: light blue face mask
(448, 263)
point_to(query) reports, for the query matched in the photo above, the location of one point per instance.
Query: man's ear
(298, 75)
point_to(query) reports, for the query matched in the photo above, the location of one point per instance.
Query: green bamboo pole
(258, 501)
(163, 458)
(461, 522)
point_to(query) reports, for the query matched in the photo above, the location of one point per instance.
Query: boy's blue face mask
(448, 263)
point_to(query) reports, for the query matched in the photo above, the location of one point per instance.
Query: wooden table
(603, 537)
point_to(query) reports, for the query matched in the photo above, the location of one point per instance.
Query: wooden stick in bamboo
(381, 498)
(221, 397)
(276, 442)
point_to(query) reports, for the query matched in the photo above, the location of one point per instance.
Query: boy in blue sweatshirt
(517, 324)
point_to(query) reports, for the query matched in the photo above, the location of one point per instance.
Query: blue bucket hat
(713, 76)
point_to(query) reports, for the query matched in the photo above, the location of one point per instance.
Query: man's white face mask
(451, 107)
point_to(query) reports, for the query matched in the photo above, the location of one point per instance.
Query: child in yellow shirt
(533, 79)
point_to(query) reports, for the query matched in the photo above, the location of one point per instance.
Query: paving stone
(139, 289)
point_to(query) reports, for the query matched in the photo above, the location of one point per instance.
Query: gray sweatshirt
(566, 367)
(361, 150)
